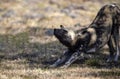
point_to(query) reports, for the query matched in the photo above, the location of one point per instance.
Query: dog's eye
(84, 32)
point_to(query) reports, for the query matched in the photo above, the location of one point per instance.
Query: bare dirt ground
(27, 44)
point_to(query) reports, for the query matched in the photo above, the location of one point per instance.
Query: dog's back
(104, 24)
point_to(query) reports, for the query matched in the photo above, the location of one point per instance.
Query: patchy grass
(93, 62)
(110, 73)
(27, 44)
(23, 59)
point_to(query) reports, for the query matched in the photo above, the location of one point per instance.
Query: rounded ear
(61, 26)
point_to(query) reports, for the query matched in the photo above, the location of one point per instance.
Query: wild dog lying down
(103, 30)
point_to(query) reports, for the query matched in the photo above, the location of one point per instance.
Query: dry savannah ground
(27, 44)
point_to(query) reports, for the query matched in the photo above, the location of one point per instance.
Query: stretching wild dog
(103, 30)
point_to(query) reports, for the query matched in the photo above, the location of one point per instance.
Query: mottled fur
(103, 30)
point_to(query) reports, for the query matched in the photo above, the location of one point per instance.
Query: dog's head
(76, 40)
(65, 36)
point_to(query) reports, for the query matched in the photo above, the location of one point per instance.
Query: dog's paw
(53, 66)
(109, 60)
(116, 58)
(64, 67)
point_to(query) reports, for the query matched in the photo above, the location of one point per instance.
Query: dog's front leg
(75, 56)
(62, 59)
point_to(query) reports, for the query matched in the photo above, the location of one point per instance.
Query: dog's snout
(55, 30)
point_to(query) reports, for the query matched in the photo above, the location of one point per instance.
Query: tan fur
(72, 34)
(80, 35)
(93, 35)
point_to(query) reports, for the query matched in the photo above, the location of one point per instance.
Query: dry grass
(27, 43)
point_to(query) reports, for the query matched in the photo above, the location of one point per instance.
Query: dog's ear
(62, 27)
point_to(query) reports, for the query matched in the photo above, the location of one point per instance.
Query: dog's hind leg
(116, 37)
(62, 59)
(111, 45)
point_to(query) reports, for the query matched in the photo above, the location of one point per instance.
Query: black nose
(55, 31)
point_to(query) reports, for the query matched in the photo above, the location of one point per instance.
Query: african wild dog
(103, 30)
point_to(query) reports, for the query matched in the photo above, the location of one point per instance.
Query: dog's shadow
(41, 55)
(96, 60)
